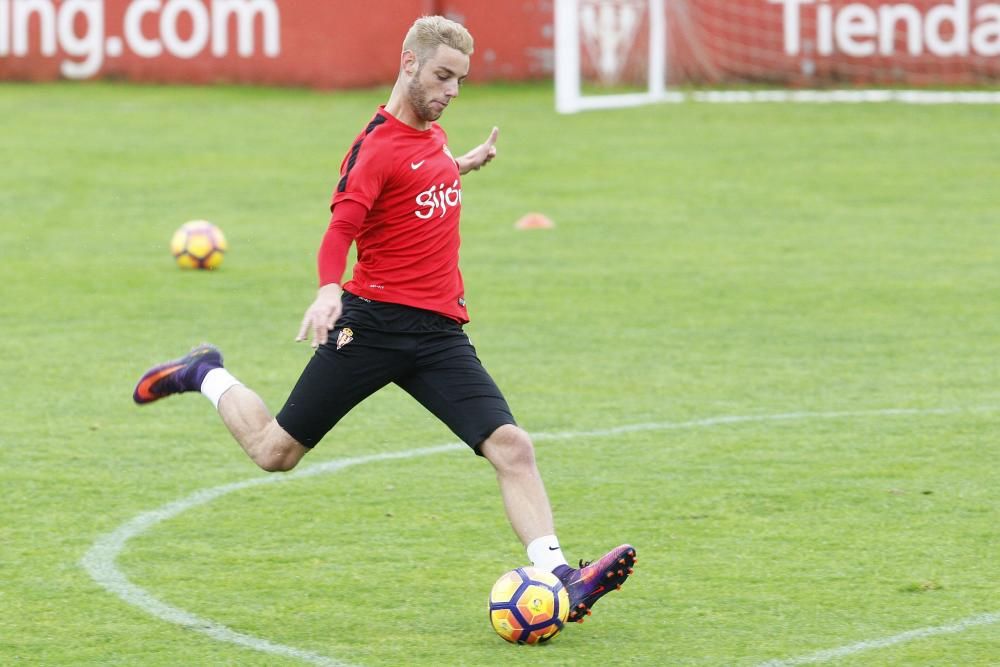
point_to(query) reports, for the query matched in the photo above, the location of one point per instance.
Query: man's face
(436, 82)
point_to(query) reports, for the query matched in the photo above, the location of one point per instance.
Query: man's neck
(402, 111)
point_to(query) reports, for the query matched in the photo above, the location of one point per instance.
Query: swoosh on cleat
(146, 383)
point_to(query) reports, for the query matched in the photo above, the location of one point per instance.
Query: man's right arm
(323, 313)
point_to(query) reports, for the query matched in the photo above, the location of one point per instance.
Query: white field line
(910, 635)
(849, 96)
(100, 561)
(831, 96)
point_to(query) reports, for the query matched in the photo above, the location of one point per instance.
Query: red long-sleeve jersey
(399, 199)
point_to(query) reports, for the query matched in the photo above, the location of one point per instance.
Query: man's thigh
(451, 382)
(336, 379)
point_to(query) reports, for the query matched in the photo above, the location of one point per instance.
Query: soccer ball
(198, 245)
(528, 606)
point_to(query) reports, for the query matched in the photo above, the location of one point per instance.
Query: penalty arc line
(859, 647)
(100, 561)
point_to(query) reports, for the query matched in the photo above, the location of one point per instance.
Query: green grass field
(761, 345)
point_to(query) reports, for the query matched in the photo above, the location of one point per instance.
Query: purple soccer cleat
(592, 581)
(178, 376)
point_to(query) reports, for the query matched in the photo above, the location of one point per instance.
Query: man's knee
(278, 451)
(274, 460)
(509, 448)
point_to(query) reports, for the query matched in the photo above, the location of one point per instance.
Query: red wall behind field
(513, 39)
(346, 43)
(837, 42)
(323, 43)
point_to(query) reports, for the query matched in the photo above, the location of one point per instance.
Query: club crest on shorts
(344, 337)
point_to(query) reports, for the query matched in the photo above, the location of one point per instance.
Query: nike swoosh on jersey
(416, 165)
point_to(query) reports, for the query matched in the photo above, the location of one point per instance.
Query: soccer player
(399, 319)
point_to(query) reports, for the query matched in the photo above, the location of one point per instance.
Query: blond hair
(429, 32)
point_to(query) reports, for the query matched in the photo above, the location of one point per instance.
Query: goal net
(609, 53)
(620, 52)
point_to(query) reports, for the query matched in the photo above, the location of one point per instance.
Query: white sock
(545, 553)
(217, 382)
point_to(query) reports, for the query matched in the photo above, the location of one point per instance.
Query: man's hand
(322, 315)
(480, 155)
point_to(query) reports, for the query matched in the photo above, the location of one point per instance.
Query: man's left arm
(480, 155)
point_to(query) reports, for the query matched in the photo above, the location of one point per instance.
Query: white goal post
(608, 29)
(621, 53)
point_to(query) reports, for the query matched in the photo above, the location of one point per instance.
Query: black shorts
(375, 343)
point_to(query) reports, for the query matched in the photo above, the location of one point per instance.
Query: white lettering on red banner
(857, 29)
(150, 29)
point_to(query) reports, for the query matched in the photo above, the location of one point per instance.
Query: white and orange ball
(198, 244)
(528, 606)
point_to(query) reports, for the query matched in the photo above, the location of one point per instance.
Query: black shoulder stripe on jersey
(376, 121)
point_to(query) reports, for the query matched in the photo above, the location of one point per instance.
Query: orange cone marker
(534, 221)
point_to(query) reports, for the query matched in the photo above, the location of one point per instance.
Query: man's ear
(408, 62)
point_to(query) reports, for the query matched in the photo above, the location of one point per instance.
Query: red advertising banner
(343, 43)
(318, 43)
(835, 42)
